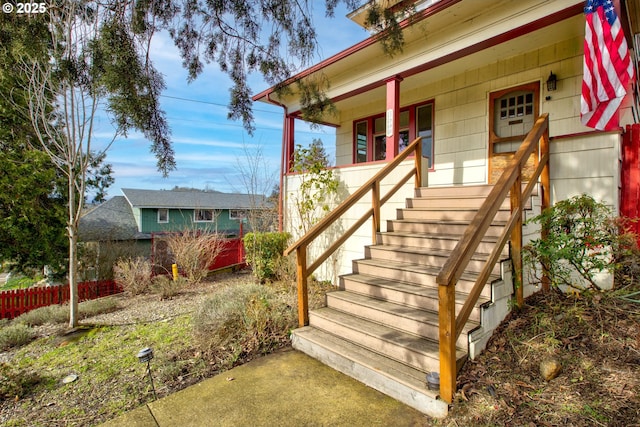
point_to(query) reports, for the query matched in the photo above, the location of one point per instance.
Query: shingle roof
(112, 220)
(192, 199)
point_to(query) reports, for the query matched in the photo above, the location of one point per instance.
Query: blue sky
(208, 147)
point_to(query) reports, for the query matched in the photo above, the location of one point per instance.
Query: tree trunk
(72, 229)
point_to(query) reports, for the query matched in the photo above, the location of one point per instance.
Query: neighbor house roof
(112, 220)
(192, 199)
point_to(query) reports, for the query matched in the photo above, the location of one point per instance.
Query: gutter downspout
(285, 132)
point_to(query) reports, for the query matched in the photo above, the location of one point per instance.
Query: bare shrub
(133, 274)
(194, 251)
(167, 288)
(245, 320)
(96, 259)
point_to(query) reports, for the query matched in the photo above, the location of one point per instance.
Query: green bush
(580, 242)
(15, 335)
(40, 316)
(264, 253)
(56, 314)
(245, 320)
(96, 306)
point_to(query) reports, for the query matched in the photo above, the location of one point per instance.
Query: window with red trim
(370, 142)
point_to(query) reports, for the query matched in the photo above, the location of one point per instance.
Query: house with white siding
(443, 151)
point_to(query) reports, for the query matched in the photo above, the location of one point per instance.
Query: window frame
(160, 220)
(197, 211)
(410, 129)
(245, 214)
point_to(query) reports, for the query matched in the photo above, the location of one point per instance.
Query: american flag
(607, 66)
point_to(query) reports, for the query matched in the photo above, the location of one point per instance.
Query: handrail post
(516, 237)
(545, 180)
(303, 299)
(375, 204)
(418, 164)
(447, 335)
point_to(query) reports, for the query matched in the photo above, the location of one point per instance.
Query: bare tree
(97, 62)
(257, 180)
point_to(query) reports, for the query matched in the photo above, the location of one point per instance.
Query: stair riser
(452, 203)
(406, 324)
(411, 358)
(411, 277)
(389, 294)
(436, 227)
(450, 215)
(376, 252)
(417, 241)
(459, 191)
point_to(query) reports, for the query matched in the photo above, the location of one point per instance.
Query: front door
(512, 114)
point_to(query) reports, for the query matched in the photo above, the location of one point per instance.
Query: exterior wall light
(552, 82)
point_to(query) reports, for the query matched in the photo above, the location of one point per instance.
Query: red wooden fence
(232, 254)
(630, 177)
(15, 302)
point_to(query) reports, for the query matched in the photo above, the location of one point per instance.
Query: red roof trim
(443, 4)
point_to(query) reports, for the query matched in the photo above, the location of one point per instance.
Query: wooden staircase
(381, 326)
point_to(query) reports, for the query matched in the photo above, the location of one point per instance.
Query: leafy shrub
(581, 239)
(15, 335)
(133, 274)
(264, 253)
(194, 251)
(245, 320)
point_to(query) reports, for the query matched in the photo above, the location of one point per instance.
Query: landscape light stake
(145, 355)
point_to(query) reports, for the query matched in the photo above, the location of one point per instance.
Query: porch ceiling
(570, 28)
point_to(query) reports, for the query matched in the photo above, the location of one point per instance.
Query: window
(237, 214)
(370, 141)
(203, 215)
(163, 215)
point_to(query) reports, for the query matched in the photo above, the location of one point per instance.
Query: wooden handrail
(303, 270)
(509, 182)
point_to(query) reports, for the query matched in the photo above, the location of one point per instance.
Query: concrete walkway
(283, 389)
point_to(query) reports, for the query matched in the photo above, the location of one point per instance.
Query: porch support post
(285, 163)
(393, 117)
(289, 141)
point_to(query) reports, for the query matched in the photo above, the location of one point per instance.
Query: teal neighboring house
(157, 211)
(140, 213)
(134, 223)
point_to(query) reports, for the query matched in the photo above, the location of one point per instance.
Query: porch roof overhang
(460, 35)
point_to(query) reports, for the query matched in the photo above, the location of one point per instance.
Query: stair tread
(498, 223)
(416, 314)
(407, 375)
(425, 251)
(421, 268)
(489, 239)
(428, 291)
